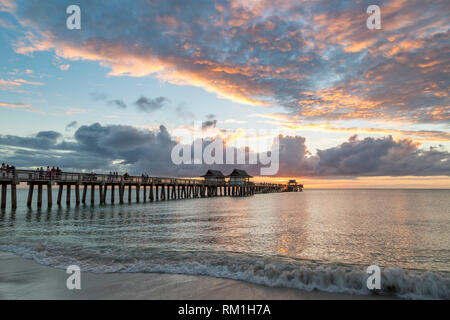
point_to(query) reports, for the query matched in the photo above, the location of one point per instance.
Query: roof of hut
(239, 173)
(213, 174)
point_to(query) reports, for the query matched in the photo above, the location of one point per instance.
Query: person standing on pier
(3, 169)
(58, 172)
(6, 169)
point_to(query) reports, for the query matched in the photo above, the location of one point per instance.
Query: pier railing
(31, 176)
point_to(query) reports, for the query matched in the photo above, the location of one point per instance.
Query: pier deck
(153, 188)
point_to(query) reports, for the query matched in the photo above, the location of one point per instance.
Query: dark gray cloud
(366, 157)
(150, 105)
(50, 135)
(101, 96)
(43, 140)
(71, 125)
(101, 148)
(118, 103)
(210, 122)
(96, 147)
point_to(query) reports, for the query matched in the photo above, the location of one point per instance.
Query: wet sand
(25, 279)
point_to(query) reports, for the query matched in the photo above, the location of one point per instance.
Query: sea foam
(268, 271)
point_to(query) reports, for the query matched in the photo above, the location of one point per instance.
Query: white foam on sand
(24, 279)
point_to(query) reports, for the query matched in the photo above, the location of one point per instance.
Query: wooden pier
(105, 185)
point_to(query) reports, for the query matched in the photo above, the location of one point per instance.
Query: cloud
(384, 156)
(43, 140)
(7, 5)
(64, 67)
(231, 120)
(14, 105)
(98, 96)
(20, 106)
(183, 113)
(8, 84)
(101, 96)
(118, 103)
(49, 135)
(98, 147)
(210, 122)
(150, 105)
(285, 121)
(72, 111)
(16, 72)
(315, 58)
(71, 125)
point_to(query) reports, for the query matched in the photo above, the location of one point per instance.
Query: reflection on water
(402, 228)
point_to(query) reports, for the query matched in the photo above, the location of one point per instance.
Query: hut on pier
(238, 177)
(214, 176)
(293, 186)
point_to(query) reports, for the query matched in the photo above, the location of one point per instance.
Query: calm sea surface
(318, 239)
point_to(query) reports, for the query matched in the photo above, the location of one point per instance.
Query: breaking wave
(272, 271)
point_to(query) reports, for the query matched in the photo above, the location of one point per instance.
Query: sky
(348, 106)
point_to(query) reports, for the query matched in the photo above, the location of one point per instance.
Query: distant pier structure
(293, 186)
(213, 184)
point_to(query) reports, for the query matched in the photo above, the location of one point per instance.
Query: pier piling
(77, 194)
(4, 194)
(83, 200)
(92, 194)
(104, 194)
(121, 192)
(13, 196)
(30, 194)
(39, 201)
(113, 193)
(100, 193)
(49, 195)
(68, 187)
(60, 190)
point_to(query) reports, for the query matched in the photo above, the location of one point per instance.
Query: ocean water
(314, 240)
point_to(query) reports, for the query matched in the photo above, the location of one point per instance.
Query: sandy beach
(25, 279)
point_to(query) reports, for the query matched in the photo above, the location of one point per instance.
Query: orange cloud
(17, 83)
(25, 107)
(14, 105)
(294, 123)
